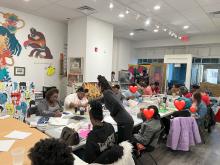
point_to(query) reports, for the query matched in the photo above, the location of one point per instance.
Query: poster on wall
(75, 65)
(9, 45)
(138, 73)
(15, 98)
(93, 89)
(37, 41)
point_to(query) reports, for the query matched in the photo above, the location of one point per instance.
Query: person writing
(123, 119)
(102, 137)
(76, 100)
(50, 106)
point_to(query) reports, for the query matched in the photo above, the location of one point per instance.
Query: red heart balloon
(133, 89)
(192, 109)
(179, 104)
(148, 113)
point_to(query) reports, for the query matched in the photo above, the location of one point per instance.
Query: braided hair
(103, 83)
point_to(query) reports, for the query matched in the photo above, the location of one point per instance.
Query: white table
(55, 131)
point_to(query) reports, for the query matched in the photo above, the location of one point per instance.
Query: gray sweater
(45, 110)
(148, 128)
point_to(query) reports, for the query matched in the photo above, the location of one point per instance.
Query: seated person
(184, 92)
(51, 151)
(117, 92)
(132, 96)
(102, 137)
(149, 90)
(201, 108)
(157, 87)
(50, 106)
(175, 90)
(76, 100)
(185, 112)
(148, 127)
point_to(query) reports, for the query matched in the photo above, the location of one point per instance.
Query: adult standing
(123, 119)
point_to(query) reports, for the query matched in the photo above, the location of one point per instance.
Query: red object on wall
(96, 49)
(185, 38)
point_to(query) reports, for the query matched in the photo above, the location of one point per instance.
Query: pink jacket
(183, 133)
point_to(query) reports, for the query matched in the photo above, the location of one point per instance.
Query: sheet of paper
(5, 145)
(18, 135)
(4, 117)
(58, 121)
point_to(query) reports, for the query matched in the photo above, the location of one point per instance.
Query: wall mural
(15, 98)
(9, 44)
(36, 40)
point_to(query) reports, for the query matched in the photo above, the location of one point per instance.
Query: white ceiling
(173, 14)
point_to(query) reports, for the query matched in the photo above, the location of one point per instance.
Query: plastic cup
(17, 156)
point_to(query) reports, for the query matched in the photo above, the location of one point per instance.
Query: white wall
(100, 35)
(122, 54)
(55, 34)
(206, 50)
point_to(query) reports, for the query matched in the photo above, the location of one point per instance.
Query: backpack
(69, 136)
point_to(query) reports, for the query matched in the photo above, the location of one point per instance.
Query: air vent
(86, 10)
(215, 14)
(140, 30)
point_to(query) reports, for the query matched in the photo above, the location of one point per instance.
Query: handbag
(69, 136)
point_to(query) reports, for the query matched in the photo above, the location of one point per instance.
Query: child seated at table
(130, 95)
(102, 137)
(148, 127)
(51, 151)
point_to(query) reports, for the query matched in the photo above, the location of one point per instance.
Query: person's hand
(58, 114)
(71, 105)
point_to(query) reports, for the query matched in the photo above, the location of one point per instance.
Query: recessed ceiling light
(111, 5)
(147, 22)
(157, 7)
(156, 30)
(131, 34)
(186, 27)
(164, 29)
(26, 0)
(180, 38)
(127, 11)
(157, 26)
(170, 32)
(121, 15)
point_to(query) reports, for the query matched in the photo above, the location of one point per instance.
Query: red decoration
(179, 104)
(133, 89)
(185, 38)
(192, 109)
(148, 113)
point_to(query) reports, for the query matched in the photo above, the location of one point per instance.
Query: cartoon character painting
(36, 40)
(9, 44)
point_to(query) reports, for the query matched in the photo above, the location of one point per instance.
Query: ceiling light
(156, 30)
(170, 32)
(26, 0)
(127, 11)
(157, 7)
(121, 15)
(186, 27)
(180, 38)
(164, 29)
(157, 26)
(138, 16)
(147, 22)
(111, 5)
(131, 34)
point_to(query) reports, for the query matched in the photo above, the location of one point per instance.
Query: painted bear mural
(37, 41)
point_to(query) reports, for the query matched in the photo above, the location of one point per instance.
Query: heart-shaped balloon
(148, 113)
(192, 109)
(133, 89)
(179, 104)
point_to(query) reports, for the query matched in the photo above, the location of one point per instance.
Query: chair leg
(152, 158)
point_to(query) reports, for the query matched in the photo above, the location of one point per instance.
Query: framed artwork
(19, 71)
(75, 65)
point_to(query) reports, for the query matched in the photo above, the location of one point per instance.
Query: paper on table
(110, 120)
(58, 121)
(5, 145)
(18, 135)
(5, 117)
